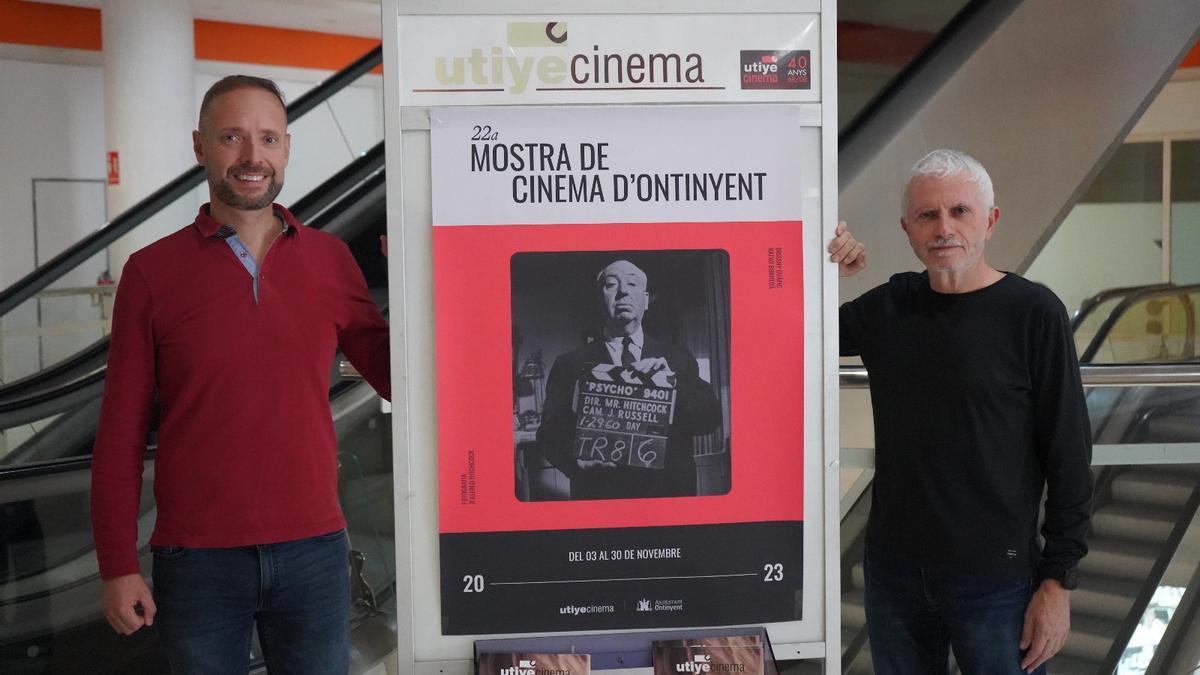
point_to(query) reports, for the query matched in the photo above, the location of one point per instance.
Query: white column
(149, 110)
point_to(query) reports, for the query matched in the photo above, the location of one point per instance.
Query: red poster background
(474, 377)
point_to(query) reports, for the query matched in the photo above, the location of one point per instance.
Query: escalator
(1142, 510)
(50, 606)
(49, 585)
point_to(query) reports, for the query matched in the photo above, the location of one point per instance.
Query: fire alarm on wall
(114, 168)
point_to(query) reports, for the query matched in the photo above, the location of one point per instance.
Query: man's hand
(847, 252)
(1047, 622)
(649, 366)
(128, 604)
(594, 464)
(383, 244)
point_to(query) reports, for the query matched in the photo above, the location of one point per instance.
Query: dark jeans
(296, 592)
(916, 615)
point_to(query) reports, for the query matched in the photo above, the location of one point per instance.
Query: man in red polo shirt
(233, 323)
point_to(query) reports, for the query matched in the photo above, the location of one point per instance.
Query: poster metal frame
(410, 277)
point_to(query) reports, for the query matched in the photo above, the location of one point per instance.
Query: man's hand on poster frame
(846, 251)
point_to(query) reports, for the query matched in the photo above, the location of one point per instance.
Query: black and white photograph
(620, 374)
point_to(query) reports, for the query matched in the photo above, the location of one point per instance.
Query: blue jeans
(916, 615)
(297, 593)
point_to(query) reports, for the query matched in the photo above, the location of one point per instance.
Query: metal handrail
(320, 198)
(1094, 375)
(1102, 333)
(1089, 305)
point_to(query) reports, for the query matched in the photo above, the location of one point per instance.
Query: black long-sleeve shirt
(978, 405)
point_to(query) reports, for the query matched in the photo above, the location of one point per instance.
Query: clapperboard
(623, 417)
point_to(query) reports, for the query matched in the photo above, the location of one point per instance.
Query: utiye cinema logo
(537, 55)
(772, 69)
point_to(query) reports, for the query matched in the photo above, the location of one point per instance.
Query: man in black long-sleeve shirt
(978, 406)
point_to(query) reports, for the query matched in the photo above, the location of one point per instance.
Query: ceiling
(362, 17)
(344, 17)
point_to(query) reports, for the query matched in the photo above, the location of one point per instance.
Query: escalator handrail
(335, 83)
(41, 397)
(52, 468)
(1165, 374)
(313, 204)
(36, 381)
(1089, 305)
(330, 219)
(43, 276)
(337, 391)
(41, 405)
(1119, 311)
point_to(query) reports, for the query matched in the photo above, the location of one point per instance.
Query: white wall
(1101, 246)
(1185, 243)
(53, 128)
(1175, 110)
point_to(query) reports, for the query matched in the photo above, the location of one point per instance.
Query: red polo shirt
(246, 447)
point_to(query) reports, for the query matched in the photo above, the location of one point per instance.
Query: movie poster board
(622, 499)
(511, 216)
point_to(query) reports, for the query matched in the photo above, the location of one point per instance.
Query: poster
(619, 328)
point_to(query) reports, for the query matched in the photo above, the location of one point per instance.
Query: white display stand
(686, 53)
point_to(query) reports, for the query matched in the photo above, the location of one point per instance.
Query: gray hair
(951, 163)
(604, 271)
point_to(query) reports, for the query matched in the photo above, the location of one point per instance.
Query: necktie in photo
(626, 354)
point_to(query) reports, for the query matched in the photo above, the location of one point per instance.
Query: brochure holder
(625, 651)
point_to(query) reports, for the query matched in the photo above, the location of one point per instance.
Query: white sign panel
(666, 164)
(503, 60)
